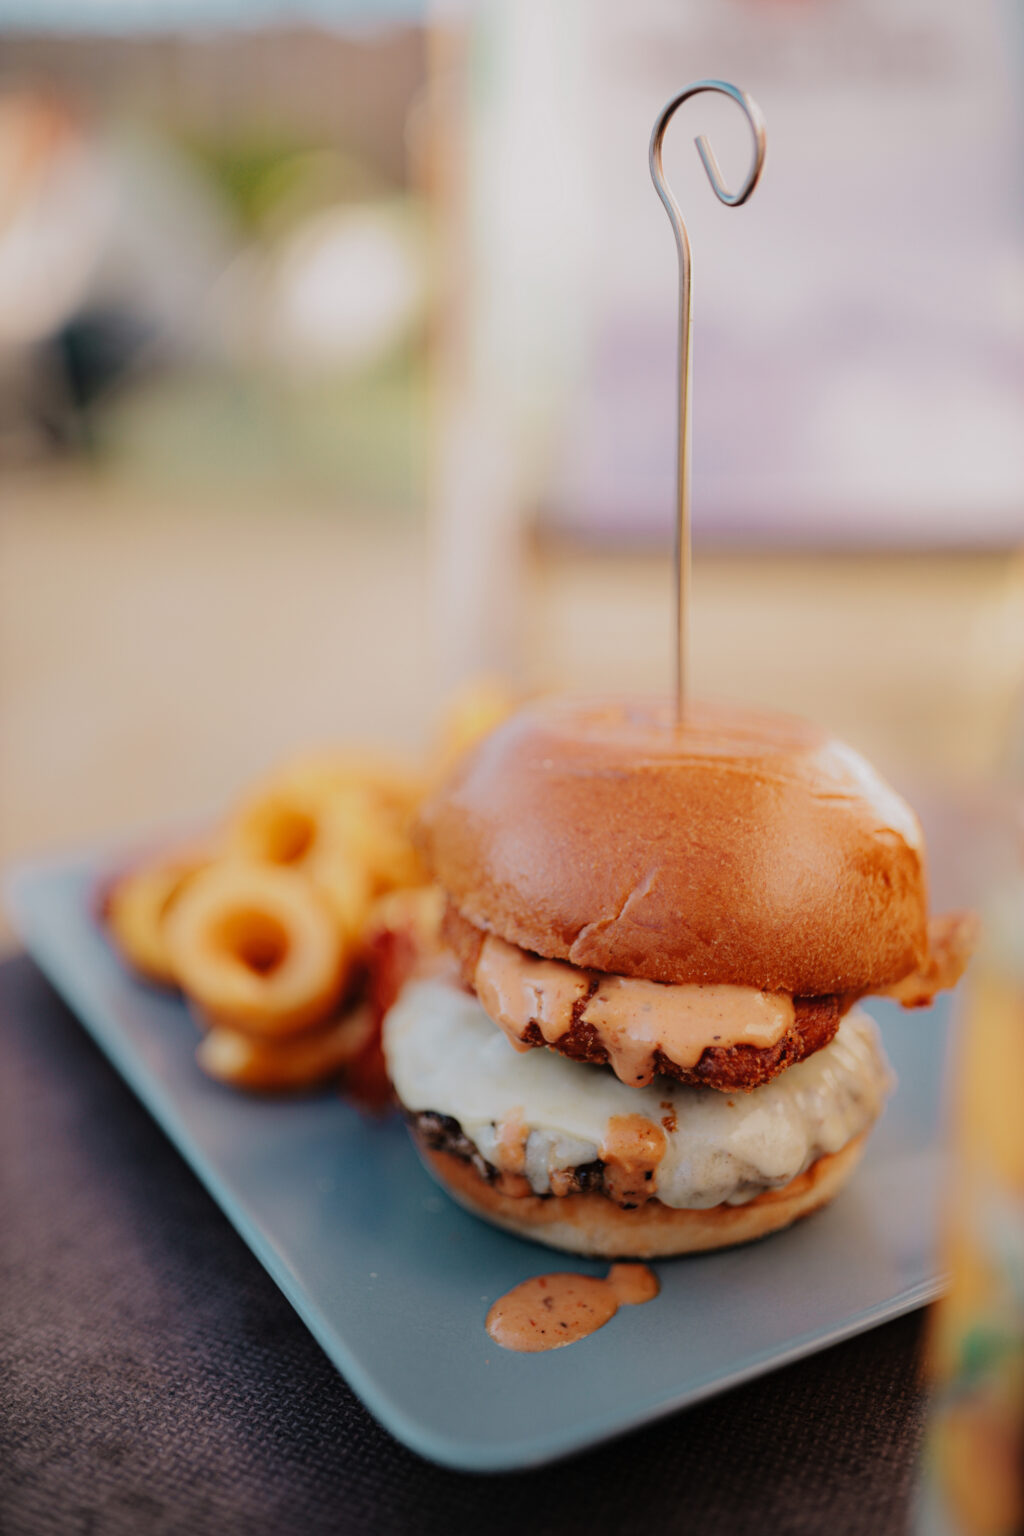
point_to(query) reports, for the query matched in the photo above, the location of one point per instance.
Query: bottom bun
(592, 1224)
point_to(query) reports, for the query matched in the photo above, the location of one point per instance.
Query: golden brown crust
(729, 1069)
(296, 1062)
(726, 1068)
(592, 1224)
(745, 849)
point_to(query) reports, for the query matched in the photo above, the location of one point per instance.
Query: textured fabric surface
(155, 1381)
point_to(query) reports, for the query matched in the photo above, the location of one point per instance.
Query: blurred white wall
(859, 325)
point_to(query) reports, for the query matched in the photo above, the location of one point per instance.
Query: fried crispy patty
(727, 1068)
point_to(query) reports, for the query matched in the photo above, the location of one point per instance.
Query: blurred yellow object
(256, 946)
(348, 889)
(137, 906)
(298, 1062)
(279, 827)
(416, 909)
(376, 840)
(344, 822)
(325, 775)
(977, 1450)
(974, 1469)
(472, 714)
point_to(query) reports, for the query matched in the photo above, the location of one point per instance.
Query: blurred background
(337, 365)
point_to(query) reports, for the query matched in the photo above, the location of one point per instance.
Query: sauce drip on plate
(551, 1311)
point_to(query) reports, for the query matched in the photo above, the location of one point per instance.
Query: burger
(647, 1037)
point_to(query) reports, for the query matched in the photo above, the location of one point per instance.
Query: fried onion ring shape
(136, 908)
(298, 1061)
(345, 839)
(257, 947)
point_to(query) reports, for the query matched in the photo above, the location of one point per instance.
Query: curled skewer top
(754, 117)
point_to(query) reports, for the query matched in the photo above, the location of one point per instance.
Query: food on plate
(650, 1043)
(350, 838)
(569, 1155)
(394, 786)
(136, 905)
(256, 945)
(296, 1061)
(306, 910)
(551, 1311)
(590, 1017)
(402, 931)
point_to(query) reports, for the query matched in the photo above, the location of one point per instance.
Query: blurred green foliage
(267, 178)
(358, 440)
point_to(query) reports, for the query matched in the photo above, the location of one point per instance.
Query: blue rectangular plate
(395, 1281)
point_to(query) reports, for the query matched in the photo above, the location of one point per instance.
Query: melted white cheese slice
(445, 1055)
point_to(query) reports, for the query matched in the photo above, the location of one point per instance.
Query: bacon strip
(951, 942)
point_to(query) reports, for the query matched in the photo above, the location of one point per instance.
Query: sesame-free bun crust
(743, 848)
(592, 1224)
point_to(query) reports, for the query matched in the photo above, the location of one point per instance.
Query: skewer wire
(733, 200)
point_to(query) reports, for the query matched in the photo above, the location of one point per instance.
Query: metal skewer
(733, 200)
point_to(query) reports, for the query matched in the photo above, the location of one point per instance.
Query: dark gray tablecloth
(155, 1381)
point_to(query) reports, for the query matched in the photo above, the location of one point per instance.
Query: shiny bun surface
(744, 848)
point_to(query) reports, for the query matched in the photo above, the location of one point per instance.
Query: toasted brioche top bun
(745, 848)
